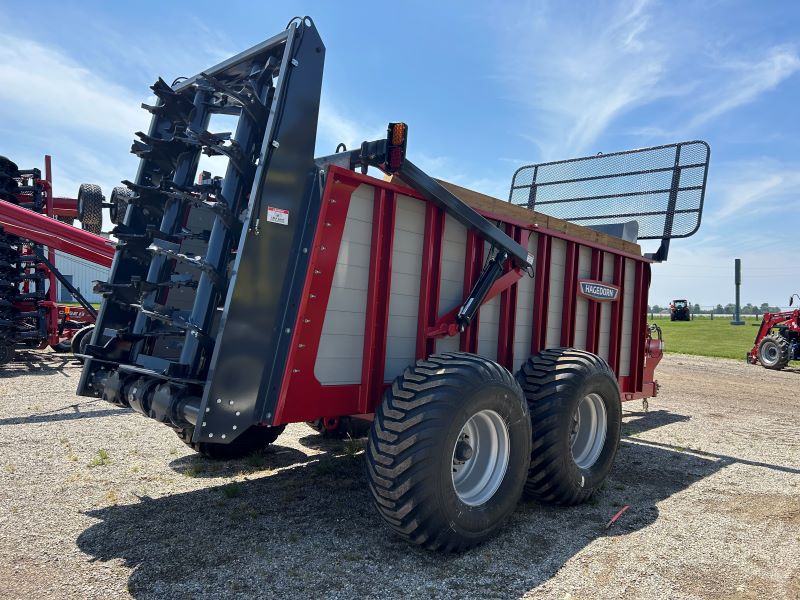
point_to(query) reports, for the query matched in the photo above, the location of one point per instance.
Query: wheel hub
(588, 430)
(480, 457)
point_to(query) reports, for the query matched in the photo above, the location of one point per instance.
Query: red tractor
(679, 310)
(778, 339)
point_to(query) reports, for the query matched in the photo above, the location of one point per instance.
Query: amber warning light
(396, 138)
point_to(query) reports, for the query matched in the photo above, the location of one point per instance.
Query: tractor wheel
(254, 439)
(120, 197)
(341, 427)
(576, 417)
(90, 207)
(6, 353)
(80, 340)
(773, 352)
(449, 450)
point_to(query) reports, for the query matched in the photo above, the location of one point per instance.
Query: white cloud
(41, 85)
(755, 185)
(580, 74)
(744, 81)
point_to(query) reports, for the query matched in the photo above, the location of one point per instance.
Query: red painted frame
(303, 398)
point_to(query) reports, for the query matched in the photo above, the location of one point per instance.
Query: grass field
(706, 337)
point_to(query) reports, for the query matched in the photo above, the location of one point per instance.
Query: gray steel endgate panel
(247, 364)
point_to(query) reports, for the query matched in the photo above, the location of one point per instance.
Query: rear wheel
(254, 439)
(448, 451)
(90, 207)
(81, 339)
(773, 352)
(576, 417)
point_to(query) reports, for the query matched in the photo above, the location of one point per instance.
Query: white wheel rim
(588, 432)
(769, 353)
(477, 478)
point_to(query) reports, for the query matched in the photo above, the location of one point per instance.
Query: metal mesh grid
(662, 188)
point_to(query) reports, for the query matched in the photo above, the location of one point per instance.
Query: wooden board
(501, 207)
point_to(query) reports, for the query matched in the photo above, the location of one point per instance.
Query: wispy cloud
(741, 82)
(39, 84)
(581, 74)
(755, 185)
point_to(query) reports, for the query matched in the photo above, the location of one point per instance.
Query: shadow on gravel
(310, 530)
(28, 363)
(274, 456)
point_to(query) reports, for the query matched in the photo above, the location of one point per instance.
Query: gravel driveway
(97, 502)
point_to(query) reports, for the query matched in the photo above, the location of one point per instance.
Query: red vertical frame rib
(378, 291)
(593, 318)
(639, 322)
(615, 335)
(430, 279)
(541, 293)
(570, 295)
(473, 263)
(508, 311)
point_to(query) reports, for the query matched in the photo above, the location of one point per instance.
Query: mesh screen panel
(662, 188)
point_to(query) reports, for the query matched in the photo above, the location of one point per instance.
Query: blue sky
(485, 87)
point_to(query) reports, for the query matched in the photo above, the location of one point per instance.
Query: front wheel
(576, 417)
(448, 452)
(773, 352)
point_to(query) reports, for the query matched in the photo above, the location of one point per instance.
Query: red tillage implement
(485, 346)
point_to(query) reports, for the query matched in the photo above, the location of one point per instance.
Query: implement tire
(448, 451)
(120, 197)
(254, 439)
(773, 352)
(90, 207)
(576, 418)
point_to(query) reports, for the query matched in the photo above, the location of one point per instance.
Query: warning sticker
(277, 215)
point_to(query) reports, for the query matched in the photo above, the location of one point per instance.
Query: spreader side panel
(523, 318)
(451, 287)
(405, 285)
(341, 345)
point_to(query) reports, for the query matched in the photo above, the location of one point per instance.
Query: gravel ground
(96, 502)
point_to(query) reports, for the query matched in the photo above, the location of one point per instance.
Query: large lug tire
(341, 427)
(120, 197)
(576, 418)
(448, 451)
(254, 439)
(90, 207)
(773, 352)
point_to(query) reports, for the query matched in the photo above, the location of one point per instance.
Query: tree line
(728, 309)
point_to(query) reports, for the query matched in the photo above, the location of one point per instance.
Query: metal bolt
(268, 415)
(223, 436)
(288, 330)
(317, 272)
(208, 409)
(295, 370)
(301, 345)
(323, 248)
(230, 402)
(210, 435)
(238, 413)
(234, 427)
(333, 201)
(306, 320)
(204, 423)
(312, 296)
(275, 144)
(305, 250)
(219, 400)
(295, 62)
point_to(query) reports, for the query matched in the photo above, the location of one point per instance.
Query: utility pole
(737, 279)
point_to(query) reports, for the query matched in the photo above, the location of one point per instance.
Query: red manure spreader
(34, 224)
(486, 346)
